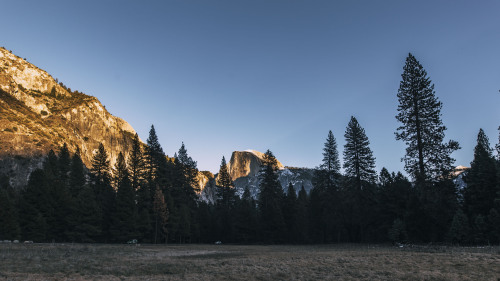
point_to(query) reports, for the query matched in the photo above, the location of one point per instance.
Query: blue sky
(234, 75)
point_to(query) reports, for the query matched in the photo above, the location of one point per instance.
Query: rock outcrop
(40, 114)
(245, 166)
(246, 163)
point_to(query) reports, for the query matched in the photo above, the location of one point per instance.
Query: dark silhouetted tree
(270, 202)
(102, 187)
(359, 162)
(161, 216)
(246, 219)
(427, 157)
(290, 214)
(459, 230)
(123, 221)
(482, 182)
(9, 220)
(77, 174)
(136, 164)
(225, 203)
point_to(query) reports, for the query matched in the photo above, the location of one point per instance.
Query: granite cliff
(245, 166)
(40, 114)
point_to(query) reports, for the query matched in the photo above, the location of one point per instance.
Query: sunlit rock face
(245, 167)
(38, 114)
(246, 163)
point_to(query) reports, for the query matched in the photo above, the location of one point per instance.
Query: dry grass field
(233, 262)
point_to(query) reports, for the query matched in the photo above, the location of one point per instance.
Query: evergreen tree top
(331, 161)
(359, 162)
(223, 178)
(184, 158)
(269, 160)
(483, 145)
(419, 111)
(153, 143)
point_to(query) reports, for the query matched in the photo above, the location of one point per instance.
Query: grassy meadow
(236, 262)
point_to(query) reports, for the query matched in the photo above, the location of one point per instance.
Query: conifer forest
(151, 198)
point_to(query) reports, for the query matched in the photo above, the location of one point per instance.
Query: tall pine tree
(123, 221)
(272, 224)
(427, 157)
(225, 203)
(136, 164)
(359, 162)
(481, 190)
(103, 190)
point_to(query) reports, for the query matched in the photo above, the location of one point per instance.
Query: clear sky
(263, 74)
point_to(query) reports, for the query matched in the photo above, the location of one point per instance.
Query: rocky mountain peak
(39, 114)
(246, 163)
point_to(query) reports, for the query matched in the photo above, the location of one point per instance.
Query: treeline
(146, 197)
(152, 198)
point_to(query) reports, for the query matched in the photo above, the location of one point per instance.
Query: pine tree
(481, 190)
(184, 158)
(225, 187)
(161, 216)
(190, 169)
(77, 174)
(184, 188)
(359, 162)
(225, 203)
(9, 220)
(246, 219)
(331, 161)
(153, 154)
(385, 178)
(290, 213)
(459, 229)
(302, 210)
(35, 208)
(102, 187)
(89, 218)
(136, 164)
(272, 225)
(327, 175)
(324, 205)
(77, 182)
(123, 221)
(64, 160)
(155, 175)
(427, 157)
(100, 166)
(393, 197)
